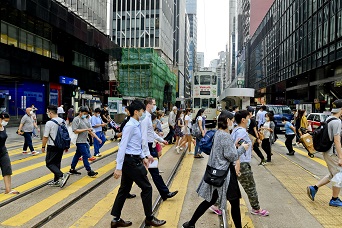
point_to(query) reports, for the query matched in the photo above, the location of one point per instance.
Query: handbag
(215, 177)
(261, 135)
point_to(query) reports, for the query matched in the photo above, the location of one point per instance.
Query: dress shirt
(148, 134)
(172, 119)
(130, 142)
(261, 118)
(96, 120)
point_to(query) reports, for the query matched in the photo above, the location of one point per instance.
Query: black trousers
(170, 134)
(266, 146)
(53, 161)
(288, 142)
(257, 150)
(157, 178)
(133, 170)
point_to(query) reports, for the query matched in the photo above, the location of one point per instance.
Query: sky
(212, 28)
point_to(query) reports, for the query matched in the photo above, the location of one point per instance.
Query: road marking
(305, 154)
(45, 204)
(95, 214)
(39, 164)
(43, 179)
(170, 210)
(295, 180)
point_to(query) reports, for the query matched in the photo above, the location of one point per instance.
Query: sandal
(260, 212)
(198, 156)
(13, 192)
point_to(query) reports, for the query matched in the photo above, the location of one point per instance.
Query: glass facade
(295, 38)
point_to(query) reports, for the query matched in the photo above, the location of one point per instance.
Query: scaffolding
(142, 73)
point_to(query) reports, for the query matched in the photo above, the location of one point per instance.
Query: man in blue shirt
(131, 165)
(97, 124)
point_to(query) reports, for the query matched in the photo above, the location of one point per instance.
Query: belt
(132, 156)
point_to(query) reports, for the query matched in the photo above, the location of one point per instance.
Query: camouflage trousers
(246, 179)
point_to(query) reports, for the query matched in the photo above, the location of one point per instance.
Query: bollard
(41, 131)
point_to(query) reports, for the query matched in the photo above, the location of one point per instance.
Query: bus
(205, 88)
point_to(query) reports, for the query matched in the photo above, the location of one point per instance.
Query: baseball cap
(250, 109)
(336, 106)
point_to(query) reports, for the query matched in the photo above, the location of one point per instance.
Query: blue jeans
(82, 149)
(197, 149)
(28, 141)
(97, 145)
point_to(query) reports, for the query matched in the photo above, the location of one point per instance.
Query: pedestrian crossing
(180, 208)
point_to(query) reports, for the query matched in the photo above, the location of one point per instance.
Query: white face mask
(230, 127)
(31, 112)
(4, 123)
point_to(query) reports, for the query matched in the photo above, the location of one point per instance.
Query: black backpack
(62, 140)
(320, 137)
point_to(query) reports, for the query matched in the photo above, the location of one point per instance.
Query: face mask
(84, 116)
(267, 119)
(31, 112)
(98, 115)
(4, 123)
(48, 114)
(141, 118)
(154, 108)
(249, 122)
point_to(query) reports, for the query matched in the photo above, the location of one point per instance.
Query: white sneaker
(34, 153)
(191, 152)
(177, 149)
(181, 148)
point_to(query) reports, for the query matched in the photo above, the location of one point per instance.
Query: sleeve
(93, 121)
(157, 137)
(144, 126)
(126, 136)
(229, 150)
(75, 124)
(47, 129)
(23, 120)
(272, 125)
(170, 119)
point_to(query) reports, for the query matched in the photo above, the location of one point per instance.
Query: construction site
(143, 73)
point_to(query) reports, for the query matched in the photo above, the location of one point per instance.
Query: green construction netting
(142, 73)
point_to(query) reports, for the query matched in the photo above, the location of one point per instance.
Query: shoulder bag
(215, 177)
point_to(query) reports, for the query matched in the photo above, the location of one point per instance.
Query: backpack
(62, 140)
(195, 130)
(207, 142)
(320, 137)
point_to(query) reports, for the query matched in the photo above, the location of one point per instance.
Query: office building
(200, 60)
(191, 10)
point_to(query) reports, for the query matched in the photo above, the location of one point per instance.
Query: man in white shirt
(260, 118)
(148, 137)
(172, 123)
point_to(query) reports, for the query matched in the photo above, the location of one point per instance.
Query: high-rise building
(143, 24)
(52, 50)
(200, 60)
(191, 10)
(187, 77)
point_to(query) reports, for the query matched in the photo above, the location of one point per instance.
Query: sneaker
(34, 153)
(186, 225)
(335, 203)
(181, 148)
(92, 159)
(64, 179)
(263, 162)
(216, 211)
(177, 149)
(311, 192)
(54, 184)
(24, 152)
(191, 152)
(91, 173)
(74, 172)
(260, 212)
(98, 155)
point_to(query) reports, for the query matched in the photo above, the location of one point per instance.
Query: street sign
(68, 81)
(23, 102)
(87, 96)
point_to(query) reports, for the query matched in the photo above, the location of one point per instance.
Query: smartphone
(241, 141)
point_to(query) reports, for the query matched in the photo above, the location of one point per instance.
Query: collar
(148, 114)
(134, 121)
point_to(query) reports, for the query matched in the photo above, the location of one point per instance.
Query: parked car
(315, 119)
(279, 111)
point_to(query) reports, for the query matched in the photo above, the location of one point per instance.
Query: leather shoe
(131, 196)
(154, 222)
(120, 223)
(170, 195)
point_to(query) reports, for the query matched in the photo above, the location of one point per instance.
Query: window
(205, 80)
(316, 118)
(212, 102)
(214, 82)
(12, 36)
(39, 46)
(196, 82)
(29, 44)
(4, 33)
(205, 103)
(22, 39)
(197, 103)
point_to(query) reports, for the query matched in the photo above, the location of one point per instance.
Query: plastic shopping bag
(72, 135)
(337, 179)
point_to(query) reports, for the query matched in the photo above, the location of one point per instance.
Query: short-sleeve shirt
(70, 113)
(3, 137)
(334, 127)
(288, 130)
(106, 114)
(27, 122)
(251, 127)
(51, 129)
(94, 120)
(187, 118)
(78, 124)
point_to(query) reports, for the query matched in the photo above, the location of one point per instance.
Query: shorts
(5, 164)
(332, 162)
